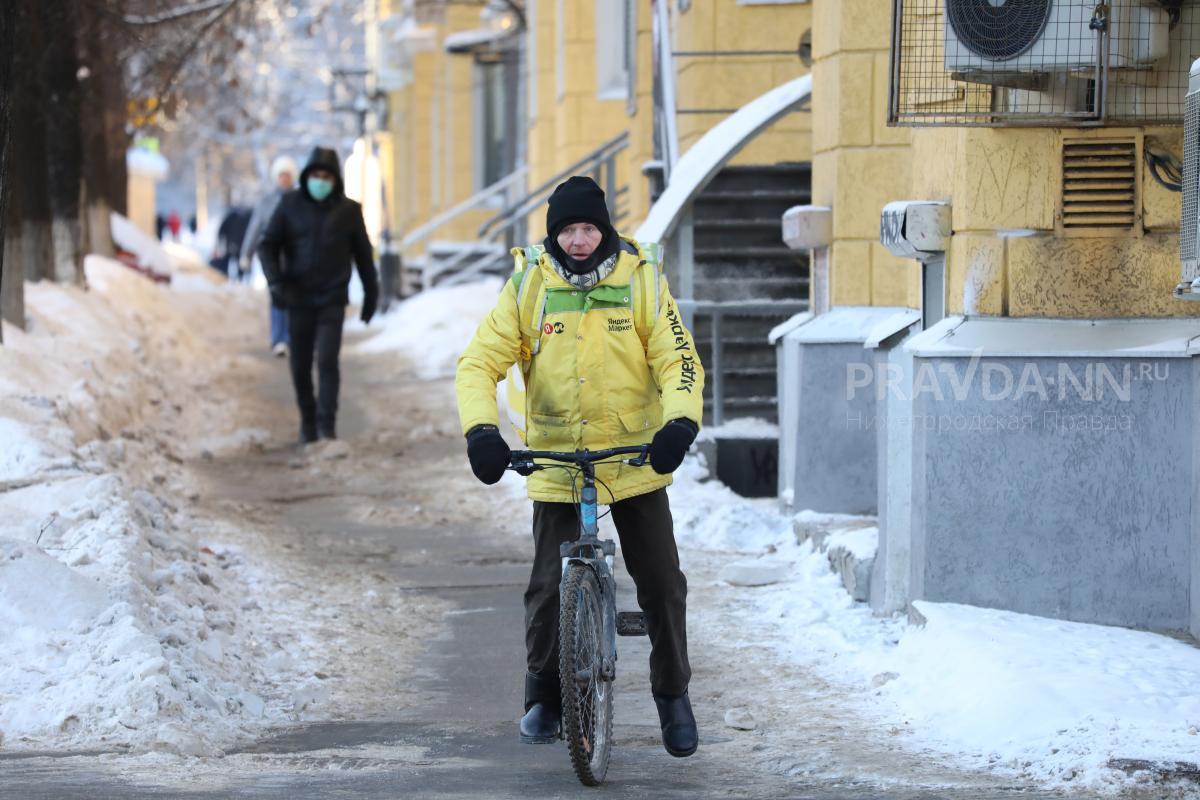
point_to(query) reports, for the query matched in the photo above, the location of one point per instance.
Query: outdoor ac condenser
(1003, 37)
(1189, 236)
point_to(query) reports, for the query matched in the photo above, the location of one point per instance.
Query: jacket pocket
(548, 429)
(642, 420)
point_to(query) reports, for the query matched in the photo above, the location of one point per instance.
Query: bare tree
(64, 148)
(28, 240)
(12, 283)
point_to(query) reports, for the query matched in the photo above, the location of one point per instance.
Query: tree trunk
(28, 238)
(64, 148)
(12, 282)
(96, 60)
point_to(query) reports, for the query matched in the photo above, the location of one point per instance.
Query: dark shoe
(327, 430)
(542, 723)
(308, 432)
(678, 725)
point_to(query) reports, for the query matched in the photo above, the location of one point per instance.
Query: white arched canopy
(706, 157)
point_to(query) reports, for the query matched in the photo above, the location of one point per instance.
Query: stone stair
(740, 255)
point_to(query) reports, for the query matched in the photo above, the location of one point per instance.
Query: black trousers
(648, 545)
(316, 331)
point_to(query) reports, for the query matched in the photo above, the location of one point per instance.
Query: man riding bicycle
(595, 379)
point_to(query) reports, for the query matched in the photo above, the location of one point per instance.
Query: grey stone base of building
(827, 442)
(1062, 484)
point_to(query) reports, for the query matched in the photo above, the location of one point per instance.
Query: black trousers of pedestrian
(648, 544)
(316, 331)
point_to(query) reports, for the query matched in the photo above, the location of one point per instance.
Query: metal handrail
(592, 161)
(718, 310)
(474, 201)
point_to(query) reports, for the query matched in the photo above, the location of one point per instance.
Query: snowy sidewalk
(1058, 704)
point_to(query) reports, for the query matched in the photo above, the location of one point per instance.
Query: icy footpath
(1043, 700)
(121, 617)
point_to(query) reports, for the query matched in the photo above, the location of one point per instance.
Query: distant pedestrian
(283, 175)
(160, 225)
(174, 223)
(230, 235)
(306, 253)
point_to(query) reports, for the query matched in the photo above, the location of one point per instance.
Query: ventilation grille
(1191, 187)
(1099, 184)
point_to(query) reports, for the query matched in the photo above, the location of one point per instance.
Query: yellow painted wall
(433, 160)
(731, 81)
(859, 163)
(1006, 257)
(432, 172)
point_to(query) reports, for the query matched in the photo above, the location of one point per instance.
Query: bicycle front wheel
(587, 693)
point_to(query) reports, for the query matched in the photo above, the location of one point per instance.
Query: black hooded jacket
(317, 241)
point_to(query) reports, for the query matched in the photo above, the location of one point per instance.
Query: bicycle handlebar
(524, 459)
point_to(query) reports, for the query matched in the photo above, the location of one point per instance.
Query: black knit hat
(577, 199)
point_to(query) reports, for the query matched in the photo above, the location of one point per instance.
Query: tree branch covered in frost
(175, 14)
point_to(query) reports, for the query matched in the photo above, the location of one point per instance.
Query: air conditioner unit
(1006, 37)
(1189, 222)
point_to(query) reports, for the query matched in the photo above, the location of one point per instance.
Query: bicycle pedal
(631, 623)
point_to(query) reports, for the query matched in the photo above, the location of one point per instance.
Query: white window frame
(615, 21)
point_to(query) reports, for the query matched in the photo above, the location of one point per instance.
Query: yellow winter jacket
(591, 384)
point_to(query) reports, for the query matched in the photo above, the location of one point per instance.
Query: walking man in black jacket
(318, 231)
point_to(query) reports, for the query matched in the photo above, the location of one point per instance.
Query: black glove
(671, 444)
(488, 453)
(368, 308)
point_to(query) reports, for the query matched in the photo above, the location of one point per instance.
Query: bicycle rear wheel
(587, 694)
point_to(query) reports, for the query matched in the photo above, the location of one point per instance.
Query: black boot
(326, 429)
(542, 723)
(678, 725)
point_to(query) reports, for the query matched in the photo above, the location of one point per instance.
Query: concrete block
(1064, 501)
(808, 227)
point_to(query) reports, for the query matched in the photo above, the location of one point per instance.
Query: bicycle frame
(589, 549)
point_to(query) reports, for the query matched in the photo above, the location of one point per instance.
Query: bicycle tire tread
(569, 594)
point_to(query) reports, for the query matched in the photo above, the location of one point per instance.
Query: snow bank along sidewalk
(1048, 701)
(121, 622)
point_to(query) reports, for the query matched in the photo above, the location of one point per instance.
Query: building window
(497, 109)
(616, 22)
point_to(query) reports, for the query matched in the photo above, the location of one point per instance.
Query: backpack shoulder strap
(531, 298)
(646, 287)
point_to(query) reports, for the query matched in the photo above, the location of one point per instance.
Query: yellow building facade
(585, 77)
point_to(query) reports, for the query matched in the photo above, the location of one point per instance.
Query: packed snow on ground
(434, 327)
(122, 621)
(1041, 699)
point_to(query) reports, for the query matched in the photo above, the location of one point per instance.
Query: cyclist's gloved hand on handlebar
(671, 444)
(488, 453)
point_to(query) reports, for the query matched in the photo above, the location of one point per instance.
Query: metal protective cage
(1062, 63)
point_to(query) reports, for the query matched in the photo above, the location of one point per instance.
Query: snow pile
(711, 516)
(433, 327)
(120, 623)
(1048, 699)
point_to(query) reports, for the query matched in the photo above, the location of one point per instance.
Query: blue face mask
(319, 188)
